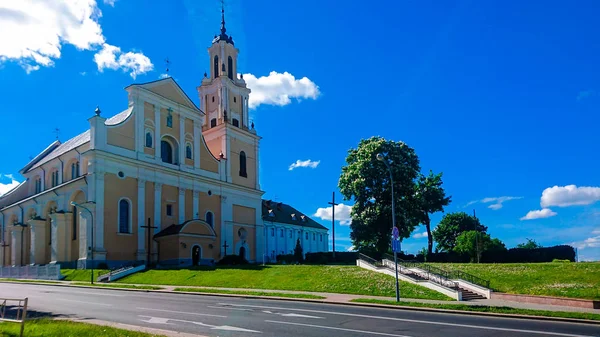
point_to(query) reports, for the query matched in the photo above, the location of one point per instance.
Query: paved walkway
(345, 298)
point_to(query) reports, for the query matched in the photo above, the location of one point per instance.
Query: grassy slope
(576, 280)
(332, 279)
(80, 274)
(48, 328)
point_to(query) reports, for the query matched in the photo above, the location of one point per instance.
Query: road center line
(183, 312)
(226, 308)
(85, 302)
(413, 320)
(341, 329)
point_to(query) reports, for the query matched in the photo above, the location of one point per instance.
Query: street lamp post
(73, 203)
(387, 165)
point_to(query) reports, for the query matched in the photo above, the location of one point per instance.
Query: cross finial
(223, 30)
(57, 132)
(167, 63)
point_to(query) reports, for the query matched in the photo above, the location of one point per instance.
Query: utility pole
(149, 227)
(333, 204)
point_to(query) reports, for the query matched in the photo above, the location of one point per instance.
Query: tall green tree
(451, 226)
(530, 244)
(366, 180)
(474, 243)
(431, 198)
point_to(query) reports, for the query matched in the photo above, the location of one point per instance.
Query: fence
(21, 312)
(430, 273)
(47, 272)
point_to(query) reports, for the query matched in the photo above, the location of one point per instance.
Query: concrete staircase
(468, 295)
(114, 275)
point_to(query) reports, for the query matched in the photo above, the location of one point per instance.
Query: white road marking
(342, 329)
(290, 314)
(413, 321)
(240, 309)
(183, 312)
(85, 302)
(161, 320)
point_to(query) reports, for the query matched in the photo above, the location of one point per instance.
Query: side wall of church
(123, 134)
(237, 147)
(120, 246)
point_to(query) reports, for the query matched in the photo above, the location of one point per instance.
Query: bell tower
(229, 133)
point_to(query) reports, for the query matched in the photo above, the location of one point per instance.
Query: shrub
(102, 265)
(560, 261)
(232, 260)
(327, 257)
(287, 258)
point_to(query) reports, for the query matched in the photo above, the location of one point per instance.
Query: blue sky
(500, 96)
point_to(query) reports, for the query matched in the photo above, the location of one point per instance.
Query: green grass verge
(81, 274)
(49, 328)
(483, 308)
(575, 280)
(29, 281)
(330, 279)
(128, 286)
(243, 292)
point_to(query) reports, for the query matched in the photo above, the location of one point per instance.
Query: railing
(372, 261)
(21, 314)
(430, 273)
(115, 271)
(461, 275)
(47, 272)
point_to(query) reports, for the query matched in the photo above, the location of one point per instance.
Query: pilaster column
(157, 147)
(99, 216)
(196, 206)
(197, 141)
(141, 251)
(38, 240)
(15, 245)
(157, 207)
(54, 237)
(181, 140)
(85, 238)
(259, 240)
(181, 205)
(257, 165)
(226, 227)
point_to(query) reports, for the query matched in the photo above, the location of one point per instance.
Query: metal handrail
(432, 274)
(370, 260)
(457, 274)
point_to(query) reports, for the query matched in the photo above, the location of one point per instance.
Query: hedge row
(513, 255)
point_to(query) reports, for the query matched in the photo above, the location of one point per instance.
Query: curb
(324, 301)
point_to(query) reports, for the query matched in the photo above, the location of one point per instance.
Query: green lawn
(576, 280)
(112, 285)
(81, 274)
(61, 328)
(485, 308)
(331, 279)
(254, 293)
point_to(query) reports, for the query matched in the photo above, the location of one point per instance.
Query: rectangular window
(314, 237)
(272, 232)
(291, 234)
(306, 236)
(281, 233)
(169, 210)
(321, 237)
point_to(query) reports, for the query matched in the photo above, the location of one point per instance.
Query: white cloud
(570, 195)
(9, 186)
(110, 2)
(597, 232)
(110, 57)
(420, 235)
(539, 214)
(304, 163)
(278, 89)
(39, 30)
(83, 73)
(161, 76)
(496, 202)
(351, 249)
(342, 214)
(585, 94)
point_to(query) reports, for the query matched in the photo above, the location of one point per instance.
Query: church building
(164, 181)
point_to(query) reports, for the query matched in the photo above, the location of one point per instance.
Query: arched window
(216, 67)
(230, 68)
(213, 122)
(148, 139)
(124, 216)
(54, 175)
(243, 172)
(38, 185)
(210, 219)
(166, 152)
(188, 151)
(74, 170)
(235, 122)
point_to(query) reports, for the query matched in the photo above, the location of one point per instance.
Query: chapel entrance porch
(192, 243)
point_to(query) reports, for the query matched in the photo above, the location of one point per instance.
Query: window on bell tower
(230, 68)
(216, 67)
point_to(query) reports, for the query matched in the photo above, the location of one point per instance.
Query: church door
(196, 255)
(243, 252)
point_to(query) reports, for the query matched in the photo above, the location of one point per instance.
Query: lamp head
(379, 157)
(73, 203)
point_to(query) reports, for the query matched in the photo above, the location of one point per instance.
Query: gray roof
(283, 213)
(63, 148)
(120, 117)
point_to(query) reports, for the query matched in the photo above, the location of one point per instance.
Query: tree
(451, 226)
(530, 244)
(431, 198)
(298, 256)
(367, 181)
(474, 243)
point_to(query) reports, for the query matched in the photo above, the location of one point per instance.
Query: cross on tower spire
(57, 132)
(223, 29)
(167, 64)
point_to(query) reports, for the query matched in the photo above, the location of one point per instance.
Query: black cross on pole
(149, 227)
(333, 204)
(225, 247)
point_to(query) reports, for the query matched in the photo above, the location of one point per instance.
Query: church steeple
(223, 36)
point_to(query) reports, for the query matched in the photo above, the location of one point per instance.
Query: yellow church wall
(168, 247)
(148, 111)
(235, 104)
(236, 148)
(173, 131)
(244, 215)
(214, 147)
(211, 105)
(196, 228)
(119, 246)
(211, 203)
(149, 203)
(189, 204)
(189, 126)
(208, 160)
(169, 196)
(122, 135)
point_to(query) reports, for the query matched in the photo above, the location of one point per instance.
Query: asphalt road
(228, 316)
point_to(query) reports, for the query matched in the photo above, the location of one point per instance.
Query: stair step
(469, 295)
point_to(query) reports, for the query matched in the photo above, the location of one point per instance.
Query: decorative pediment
(170, 90)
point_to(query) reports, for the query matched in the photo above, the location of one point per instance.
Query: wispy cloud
(342, 214)
(279, 89)
(539, 214)
(496, 202)
(420, 235)
(584, 94)
(5, 187)
(110, 2)
(304, 163)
